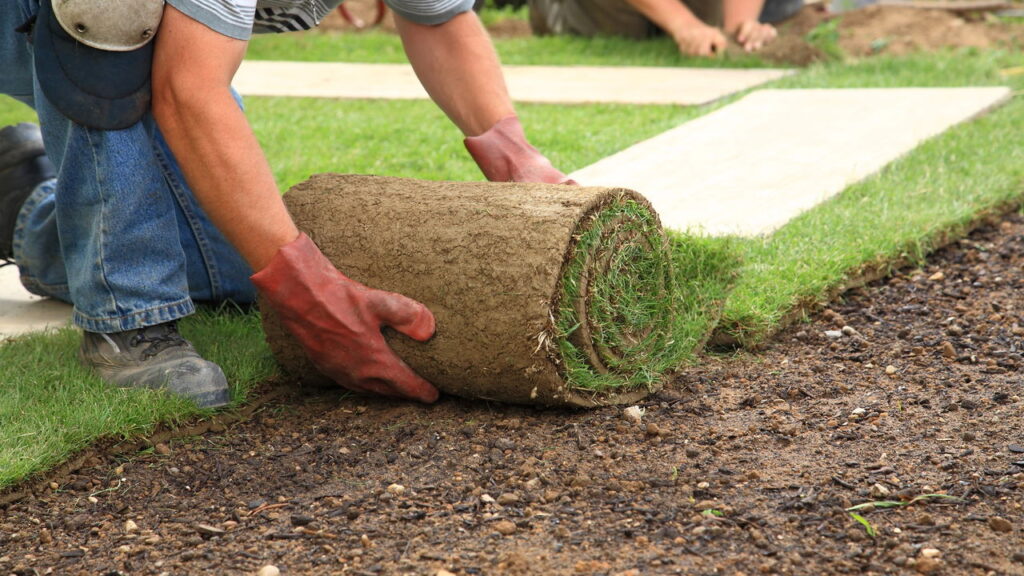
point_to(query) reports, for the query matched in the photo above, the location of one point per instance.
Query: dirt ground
(743, 465)
(869, 31)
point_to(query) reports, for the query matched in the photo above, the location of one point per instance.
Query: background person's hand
(338, 321)
(700, 40)
(753, 35)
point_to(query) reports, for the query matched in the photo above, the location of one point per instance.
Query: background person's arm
(457, 65)
(741, 22)
(691, 35)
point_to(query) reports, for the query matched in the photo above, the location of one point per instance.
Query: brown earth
(745, 465)
(890, 30)
(864, 32)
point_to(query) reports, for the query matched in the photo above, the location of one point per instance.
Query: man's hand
(753, 35)
(338, 321)
(699, 39)
(504, 155)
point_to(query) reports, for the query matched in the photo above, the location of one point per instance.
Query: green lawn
(51, 408)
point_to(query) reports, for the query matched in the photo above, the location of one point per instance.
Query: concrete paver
(751, 166)
(543, 84)
(21, 312)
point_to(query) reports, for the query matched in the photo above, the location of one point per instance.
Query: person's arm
(741, 22)
(337, 320)
(211, 139)
(693, 37)
(457, 65)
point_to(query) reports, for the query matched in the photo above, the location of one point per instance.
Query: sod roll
(543, 294)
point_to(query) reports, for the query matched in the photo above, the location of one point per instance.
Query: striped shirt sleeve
(429, 12)
(233, 18)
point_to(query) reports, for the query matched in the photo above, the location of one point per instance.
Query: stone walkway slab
(21, 312)
(542, 84)
(750, 167)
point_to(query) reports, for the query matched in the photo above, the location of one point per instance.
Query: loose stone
(998, 524)
(505, 527)
(268, 570)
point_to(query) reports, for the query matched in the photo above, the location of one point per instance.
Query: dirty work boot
(155, 357)
(23, 166)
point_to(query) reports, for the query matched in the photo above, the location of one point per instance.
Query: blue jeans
(118, 234)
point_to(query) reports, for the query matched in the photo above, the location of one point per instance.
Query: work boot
(23, 166)
(156, 357)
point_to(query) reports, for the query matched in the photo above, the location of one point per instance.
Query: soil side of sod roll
(543, 294)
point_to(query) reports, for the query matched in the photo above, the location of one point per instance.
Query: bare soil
(891, 30)
(745, 465)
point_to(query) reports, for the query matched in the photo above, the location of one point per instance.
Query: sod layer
(543, 294)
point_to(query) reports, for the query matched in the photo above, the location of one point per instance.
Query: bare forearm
(227, 172)
(212, 141)
(458, 67)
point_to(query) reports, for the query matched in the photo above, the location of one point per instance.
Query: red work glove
(504, 155)
(338, 321)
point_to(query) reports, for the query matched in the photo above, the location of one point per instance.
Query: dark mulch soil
(745, 465)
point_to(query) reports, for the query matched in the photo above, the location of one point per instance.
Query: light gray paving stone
(545, 84)
(21, 312)
(751, 166)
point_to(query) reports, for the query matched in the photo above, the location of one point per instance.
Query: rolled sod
(543, 294)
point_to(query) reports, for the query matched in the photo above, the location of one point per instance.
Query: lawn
(51, 408)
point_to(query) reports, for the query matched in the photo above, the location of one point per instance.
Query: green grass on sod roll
(633, 305)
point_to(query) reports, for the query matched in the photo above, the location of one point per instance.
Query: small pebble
(54, 486)
(633, 414)
(890, 369)
(1016, 448)
(947, 349)
(487, 499)
(507, 499)
(268, 570)
(443, 572)
(833, 334)
(653, 429)
(930, 553)
(878, 491)
(162, 449)
(93, 499)
(207, 530)
(998, 524)
(505, 527)
(396, 489)
(301, 520)
(938, 276)
(130, 526)
(928, 565)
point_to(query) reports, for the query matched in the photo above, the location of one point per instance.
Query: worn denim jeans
(118, 234)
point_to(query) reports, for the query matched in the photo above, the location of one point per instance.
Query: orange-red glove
(504, 155)
(338, 321)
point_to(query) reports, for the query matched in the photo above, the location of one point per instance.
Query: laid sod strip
(931, 196)
(51, 407)
(543, 294)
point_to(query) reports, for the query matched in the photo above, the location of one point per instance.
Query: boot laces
(159, 338)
